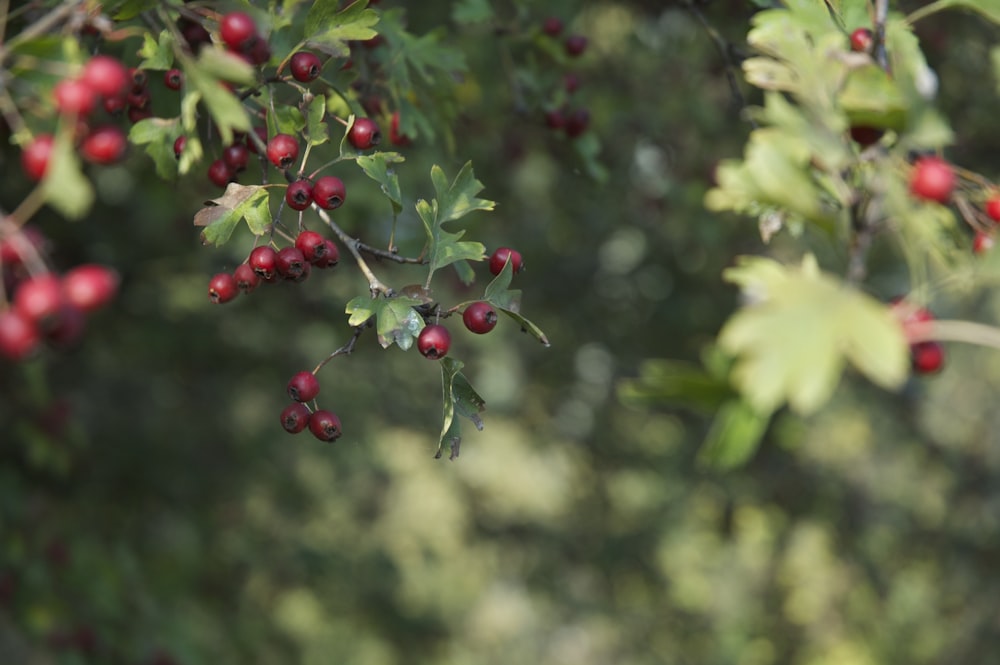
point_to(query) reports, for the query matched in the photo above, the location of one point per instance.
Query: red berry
(329, 192)
(927, 357)
(236, 157)
(932, 179)
(364, 134)
(312, 245)
(305, 66)
(479, 317)
(18, 336)
(139, 78)
(993, 208)
(434, 341)
(861, 40)
(38, 299)
(246, 279)
(35, 158)
(104, 145)
(114, 105)
(866, 136)
(106, 76)
(74, 97)
(173, 79)
(90, 286)
(555, 119)
(282, 150)
(237, 30)
(179, 146)
(299, 195)
(136, 114)
(395, 136)
(330, 256)
(259, 52)
(295, 417)
(290, 263)
(67, 327)
(303, 387)
(499, 258)
(222, 288)
(575, 45)
(325, 425)
(220, 173)
(577, 123)
(138, 97)
(982, 242)
(264, 261)
(552, 26)
(194, 34)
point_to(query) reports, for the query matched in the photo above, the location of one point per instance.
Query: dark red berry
(35, 158)
(138, 97)
(139, 78)
(194, 34)
(90, 286)
(866, 136)
(179, 146)
(137, 114)
(295, 417)
(552, 26)
(173, 79)
(575, 45)
(303, 387)
(479, 317)
(282, 150)
(499, 258)
(74, 97)
(290, 263)
(220, 173)
(19, 337)
(577, 123)
(329, 192)
(299, 195)
(364, 134)
(237, 30)
(305, 66)
(38, 299)
(264, 262)
(222, 288)
(396, 137)
(67, 327)
(927, 357)
(114, 105)
(246, 279)
(330, 257)
(861, 40)
(555, 119)
(325, 425)
(932, 179)
(312, 245)
(236, 157)
(104, 145)
(259, 52)
(106, 76)
(434, 341)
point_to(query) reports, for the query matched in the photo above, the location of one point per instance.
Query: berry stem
(881, 15)
(954, 331)
(346, 349)
(374, 284)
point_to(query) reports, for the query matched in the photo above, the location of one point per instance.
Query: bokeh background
(152, 510)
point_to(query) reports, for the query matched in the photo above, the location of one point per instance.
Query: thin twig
(881, 14)
(374, 284)
(968, 332)
(346, 349)
(40, 27)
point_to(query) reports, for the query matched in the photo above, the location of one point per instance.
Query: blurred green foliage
(149, 496)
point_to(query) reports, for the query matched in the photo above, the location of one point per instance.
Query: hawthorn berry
(330, 256)
(396, 137)
(179, 146)
(499, 258)
(135, 114)
(138, 97)
(246, 279)
(364, 134)
(38, 299)
(305, 66)
(479, 317)
(104, 145)
(90, 286)
(577, 122)
(329, 192)
(222, 288)
(106, 76)
(220, 173)
(866, 136)
(575, 45)
(19, 337)
(264, 262)
(19, 245)
(259, 52)
(982, 242)
(933, 179)
(290, 263)
(434, 341)
(194, 34)
(299, 195)
(67, 327)
(552, 26)
(295, 417)
(312, 245)
(139, 78)
(35, 157)
(325, 425)
(303, 387)
(236, 157)
(173, 79)
(927, 357)
(555, 119)
(861, 40)
(237, 30)
(993, 208)
(114, 105)
(74, 97)
(282, 150)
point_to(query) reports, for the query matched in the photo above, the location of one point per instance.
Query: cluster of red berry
(46, 307)
(560, 115)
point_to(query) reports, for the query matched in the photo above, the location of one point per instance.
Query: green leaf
(792, 343)
(472, 11)
(132, 8)
(225, 108)
(316, 127)
(157, 54)
(871, 99)
(220, 216)
(459, 198)
(396, 322)
(459, 397)
(65, 187)
(498, 292)
(226, 66)
(989, 9)
(734, 437)
(588, 147)
(526, 325)
(331, 31)
(676, 383)
(377, 166)
(158, 135)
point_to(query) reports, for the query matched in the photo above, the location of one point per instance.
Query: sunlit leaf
(220, 216)
(158, 135)
(396, 322)
(65, 186)
(157, 54)
(331, 30)
(734, 437)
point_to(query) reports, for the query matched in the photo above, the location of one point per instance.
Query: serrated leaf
(803, 327)
(158, 135)
(316, 127)
(331, 30)
(458, 198)
(734, 437)
(258, 215)
(65, 186)
(377, 166)
(396, 322)
(457, 396)
(158, 53)
(220, 216)
(871, 98)
(360, 308)
(526, 325)
(225, 108)
(498, 291)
